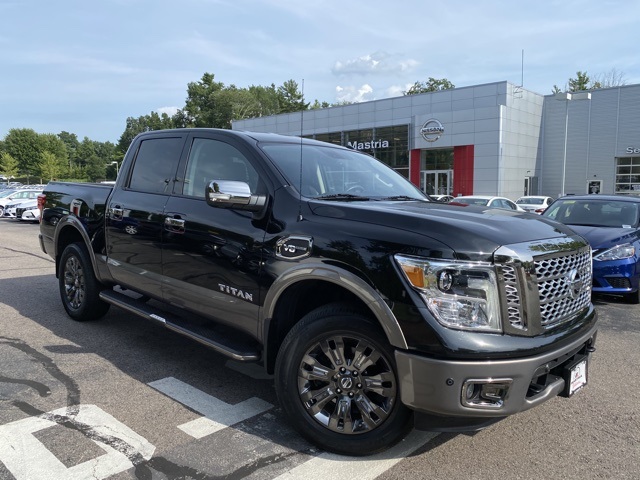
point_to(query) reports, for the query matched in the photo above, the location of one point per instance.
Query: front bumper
(436, 387)
(615, 276)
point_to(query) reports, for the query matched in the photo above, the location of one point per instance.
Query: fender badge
(294, 247)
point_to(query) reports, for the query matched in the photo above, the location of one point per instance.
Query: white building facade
(491, 139)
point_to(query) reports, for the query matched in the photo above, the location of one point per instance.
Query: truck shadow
(147, 352)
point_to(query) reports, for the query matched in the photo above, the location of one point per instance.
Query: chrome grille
(543, 283)
(564, 286)
(513, 299)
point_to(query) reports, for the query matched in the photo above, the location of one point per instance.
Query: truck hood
(472, 232)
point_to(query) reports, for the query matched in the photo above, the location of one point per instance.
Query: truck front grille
(562, 286)
(544, 284)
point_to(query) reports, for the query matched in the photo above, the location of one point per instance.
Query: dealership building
(490, 139)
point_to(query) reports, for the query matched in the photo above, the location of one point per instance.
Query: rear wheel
(79, 287)
(336, 380)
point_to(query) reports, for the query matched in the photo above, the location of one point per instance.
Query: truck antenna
(300, 179)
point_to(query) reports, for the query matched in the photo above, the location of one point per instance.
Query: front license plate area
(576, 375)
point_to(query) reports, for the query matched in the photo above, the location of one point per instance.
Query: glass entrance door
(437, 182)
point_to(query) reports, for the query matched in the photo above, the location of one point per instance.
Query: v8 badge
(294, 247)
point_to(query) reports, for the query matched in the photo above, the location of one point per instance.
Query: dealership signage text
(368, 145)
(633, 150)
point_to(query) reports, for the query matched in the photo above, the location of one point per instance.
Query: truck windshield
(332, 173)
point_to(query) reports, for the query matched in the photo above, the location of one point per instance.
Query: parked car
(442, 198)
(17, 197)
(486, 201)
(28, 211)
(534, 204)
(610, 224)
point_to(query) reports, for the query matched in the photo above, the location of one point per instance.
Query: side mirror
(233, 194)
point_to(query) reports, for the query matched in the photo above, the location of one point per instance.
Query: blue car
(610, 224)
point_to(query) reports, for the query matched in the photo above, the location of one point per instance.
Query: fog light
(485, 393)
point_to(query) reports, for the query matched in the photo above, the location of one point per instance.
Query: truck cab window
(155, 164)
(215, 160)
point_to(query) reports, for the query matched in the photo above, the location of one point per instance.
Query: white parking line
(328, 466)
(217, 414)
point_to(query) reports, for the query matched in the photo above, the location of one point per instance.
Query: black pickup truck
(376, 309)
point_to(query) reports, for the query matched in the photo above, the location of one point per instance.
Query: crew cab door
(135, 213)
(212, 256)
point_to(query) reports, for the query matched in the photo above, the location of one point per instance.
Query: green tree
(23, 145)
(51, 166)
(204, 106)
(290, 98)
(72, 143)
(317, 105)
(96, 168)
(134, 126)
(8, 166)
(583, 82)
(431, 85)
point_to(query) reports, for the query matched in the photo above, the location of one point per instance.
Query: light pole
(116, 164)
(567, 97)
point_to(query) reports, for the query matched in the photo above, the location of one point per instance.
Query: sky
(85, 66)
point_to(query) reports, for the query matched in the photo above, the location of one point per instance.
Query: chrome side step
(219, 338)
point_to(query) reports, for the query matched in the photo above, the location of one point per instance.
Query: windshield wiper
(342, 197)
(402, 198)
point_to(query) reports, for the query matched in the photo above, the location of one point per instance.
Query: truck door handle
(117, 213)
(174, 224)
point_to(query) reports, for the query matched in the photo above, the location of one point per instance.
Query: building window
(627, 175)
(390, 145)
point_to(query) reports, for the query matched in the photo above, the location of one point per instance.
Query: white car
(534, 204)
(486, 201)
(442, 198)
(17, 197)
(28, 211)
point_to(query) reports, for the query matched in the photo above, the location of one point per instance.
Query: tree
(96, 168)
(134, 126)
(290, 98)
(51, 166)
(204, 106)
(23, 145)
(71, 142)
(584, 82)
(8, 166)
(317, 105)
(431, 85)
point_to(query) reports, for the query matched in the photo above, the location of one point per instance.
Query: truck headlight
(459, 295)
(618, 252)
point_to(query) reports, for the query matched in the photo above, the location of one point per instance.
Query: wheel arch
(306, 287)
(70, 230)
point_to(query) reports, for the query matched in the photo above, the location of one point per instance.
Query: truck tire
(79, 287)
(336, 380)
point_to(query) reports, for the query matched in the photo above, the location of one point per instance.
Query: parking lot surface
(122, 398)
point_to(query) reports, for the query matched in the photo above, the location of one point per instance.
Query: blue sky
(85, 66)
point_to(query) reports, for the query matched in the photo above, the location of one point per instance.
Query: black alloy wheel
(79, 288)
(336, 380)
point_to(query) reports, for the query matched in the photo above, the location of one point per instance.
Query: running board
(219, 338)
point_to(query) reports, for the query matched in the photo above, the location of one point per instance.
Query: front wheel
(78, 285)
(337, 383)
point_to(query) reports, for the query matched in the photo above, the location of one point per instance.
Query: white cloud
(171, 111)
(354, 94)
(375, 63)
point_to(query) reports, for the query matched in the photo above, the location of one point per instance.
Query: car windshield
(530, 201)
(473, 201)
(339, 174)
(598, 213)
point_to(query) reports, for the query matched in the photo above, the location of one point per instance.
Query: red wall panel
(463, 170)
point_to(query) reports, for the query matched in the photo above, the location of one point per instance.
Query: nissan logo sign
(431, 130)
